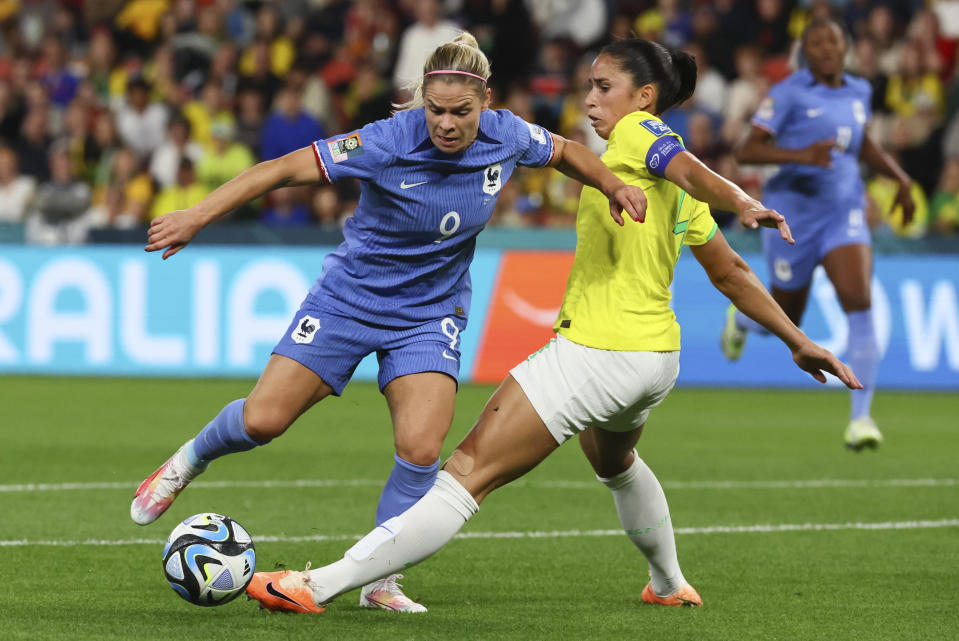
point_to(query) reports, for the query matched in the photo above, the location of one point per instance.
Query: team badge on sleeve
(656, 127)
(766, 108)
(537, 133)
(346, 148)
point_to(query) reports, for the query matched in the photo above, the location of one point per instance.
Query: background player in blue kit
(813, 124)
(399, 283)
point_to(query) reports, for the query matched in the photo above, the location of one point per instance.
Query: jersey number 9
(448, 226)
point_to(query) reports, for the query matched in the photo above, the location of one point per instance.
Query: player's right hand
(819, 153)
(172, 232)
(814, 359)
(757, 215)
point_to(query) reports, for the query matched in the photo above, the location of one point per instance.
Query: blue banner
(915, 308)
(213, 311)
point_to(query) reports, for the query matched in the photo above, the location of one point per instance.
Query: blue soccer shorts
(818, 228)
(329, 341)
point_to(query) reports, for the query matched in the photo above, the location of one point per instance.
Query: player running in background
(616, 355)
(399, 283)
(813, 124)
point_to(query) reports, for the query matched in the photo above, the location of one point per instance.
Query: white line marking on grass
(565, 485)
(557, 534)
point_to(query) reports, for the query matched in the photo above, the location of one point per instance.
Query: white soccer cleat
(386, 594)
(861, 433)
(158, 491)
(732, 340)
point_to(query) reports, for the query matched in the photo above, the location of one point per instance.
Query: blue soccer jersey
(408, 246)
(800, 111)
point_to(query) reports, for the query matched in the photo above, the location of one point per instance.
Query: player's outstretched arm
(579, 163)
(172, 231)
(702, 183)
(760, 148)
(879, 161)
(732, 276)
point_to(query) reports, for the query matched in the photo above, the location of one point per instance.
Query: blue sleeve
(534, 145)
(661, 152)
(359, 154)
(774, 109)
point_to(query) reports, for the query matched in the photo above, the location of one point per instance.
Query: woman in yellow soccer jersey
(616, 353)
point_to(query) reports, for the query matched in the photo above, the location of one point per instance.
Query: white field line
(556, 534)
(565, 485)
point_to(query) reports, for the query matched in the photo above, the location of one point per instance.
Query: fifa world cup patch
(656, 127)
(346, 148)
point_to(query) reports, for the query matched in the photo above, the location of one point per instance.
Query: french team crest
(305, 329)
(491, 179)
(346, 148)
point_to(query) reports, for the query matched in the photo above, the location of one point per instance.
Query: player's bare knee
(263, 424)
(419, 454)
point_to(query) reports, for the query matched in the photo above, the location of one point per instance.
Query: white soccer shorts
(573, 387)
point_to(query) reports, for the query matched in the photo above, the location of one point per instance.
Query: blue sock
(748, 324)
(863, 355)
(407, 484)
(225, 434)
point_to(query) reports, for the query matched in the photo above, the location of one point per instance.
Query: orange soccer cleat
(286, 591)
(686, 596)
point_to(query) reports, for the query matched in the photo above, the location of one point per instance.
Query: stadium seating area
(113, 112)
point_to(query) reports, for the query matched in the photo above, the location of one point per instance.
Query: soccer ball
(209, 559)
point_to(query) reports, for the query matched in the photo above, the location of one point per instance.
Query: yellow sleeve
(701, 227)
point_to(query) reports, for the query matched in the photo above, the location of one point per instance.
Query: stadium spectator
(287, 207)
(182, 194)
(368, 97)
(58, 213)
(744, 94)
(141, 123)
(34, 143)
(250, 116)
(126, 200)
(212, 104)
(57, 78)
(225, 158)
(16, 190)
(279, 49)
(261, 77)
(326, 208)
(287, 126)
(605, 370)
(429, 30)
(711, 87)
(393, 286)
(944, 211)
(813, 124)
(165, 161)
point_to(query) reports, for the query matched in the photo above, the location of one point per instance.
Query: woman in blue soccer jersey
(398, 285)
(813, 125)
(616, 355)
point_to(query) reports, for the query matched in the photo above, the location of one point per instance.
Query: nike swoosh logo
(403, 184)
(446, 355)
(814, 113)
(271, 590)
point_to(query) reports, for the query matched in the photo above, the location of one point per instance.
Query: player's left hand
(756, 215)
(630, 198)
(904, 200)
(816, 360)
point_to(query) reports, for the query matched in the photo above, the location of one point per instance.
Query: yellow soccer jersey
(617, 297)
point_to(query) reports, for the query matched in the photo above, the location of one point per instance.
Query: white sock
(399, 542)
(644, 513)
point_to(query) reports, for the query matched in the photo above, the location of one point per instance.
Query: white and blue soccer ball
(209, 559)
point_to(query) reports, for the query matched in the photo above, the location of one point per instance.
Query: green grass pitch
(855, 546)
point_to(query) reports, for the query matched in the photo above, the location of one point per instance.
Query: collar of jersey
(811, 79)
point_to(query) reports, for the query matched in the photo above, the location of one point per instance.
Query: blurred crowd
(116, 111)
